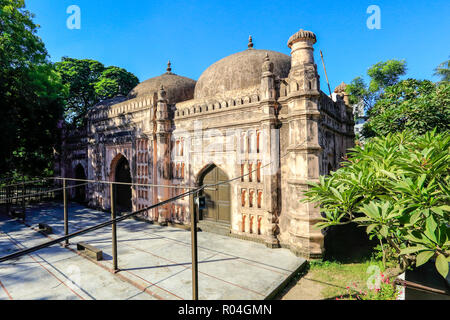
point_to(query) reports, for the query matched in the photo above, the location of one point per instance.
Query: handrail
(93, 228)
(124, 183)
(41, 193)
(18, 184)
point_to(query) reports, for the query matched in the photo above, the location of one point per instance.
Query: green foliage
(382, 75)
(31, 94)
(397, 187)
(419, 106)
(90, 82)
(114, 81)
(385, 74)
(357, 91)
(443, 71)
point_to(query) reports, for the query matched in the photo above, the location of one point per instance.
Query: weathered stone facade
(256, 113)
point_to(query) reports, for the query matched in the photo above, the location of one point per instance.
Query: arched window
(242, 142)
(243, 193)
(177, 148)
(258, 138)
(182, 148)
(260, 199)
(259, 224)
(251, 143)
(178, 175)
(258, 171)
(250, 198)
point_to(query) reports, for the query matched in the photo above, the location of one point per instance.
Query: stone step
(214, 227)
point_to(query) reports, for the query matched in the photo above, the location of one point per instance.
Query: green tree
(443, 71)
(397, 187)
(90, 82)
(31, 94)
(382, 75)
(419, 106)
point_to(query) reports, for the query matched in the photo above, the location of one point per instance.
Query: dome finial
(161, 93)
(267, 65)
(250, 42)
(169, 67)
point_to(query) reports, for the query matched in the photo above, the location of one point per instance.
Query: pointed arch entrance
(218, 198)
(80, 191)
(121, 172)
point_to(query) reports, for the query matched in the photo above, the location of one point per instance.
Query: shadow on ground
(348, 244)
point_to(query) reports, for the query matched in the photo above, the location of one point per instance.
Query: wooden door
(218, 203)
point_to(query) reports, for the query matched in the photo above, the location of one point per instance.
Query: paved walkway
(154, 261)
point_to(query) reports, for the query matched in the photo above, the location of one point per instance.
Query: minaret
(267, 80)
(163, 151)
(269, 148)
(302, 162)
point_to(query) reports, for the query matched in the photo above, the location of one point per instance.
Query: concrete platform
(154, 261)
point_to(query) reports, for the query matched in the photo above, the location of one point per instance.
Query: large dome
(178, 88)
(239, 71)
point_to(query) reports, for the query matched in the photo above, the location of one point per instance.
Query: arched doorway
(218, 200)
(123, 192)
(80, 191)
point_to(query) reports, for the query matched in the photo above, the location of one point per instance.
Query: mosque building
(255, 128)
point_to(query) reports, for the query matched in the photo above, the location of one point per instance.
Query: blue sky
(141, 35)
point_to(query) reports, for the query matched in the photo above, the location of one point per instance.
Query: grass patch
(350, 261)
(336, 276)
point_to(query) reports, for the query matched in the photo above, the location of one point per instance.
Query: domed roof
(239, 71)
(177, 88)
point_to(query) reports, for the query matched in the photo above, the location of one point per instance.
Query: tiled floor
(154, 261)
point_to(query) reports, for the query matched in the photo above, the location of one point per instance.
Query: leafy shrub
(398, 188)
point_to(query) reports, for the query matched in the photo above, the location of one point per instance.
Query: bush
(397, 187)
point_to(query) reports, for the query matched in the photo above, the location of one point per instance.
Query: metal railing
(112, 222)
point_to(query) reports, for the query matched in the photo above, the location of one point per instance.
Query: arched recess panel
(122, 173)
(80, 190)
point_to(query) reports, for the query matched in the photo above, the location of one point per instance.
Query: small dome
(239, 71)
(302, 35)
(177, 88)
(341, 88)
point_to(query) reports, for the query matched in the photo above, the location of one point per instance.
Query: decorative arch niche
(120, 171)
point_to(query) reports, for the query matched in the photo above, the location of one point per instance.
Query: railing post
(194, 249)
(23, 197)
(8, 192)
(114, 230)
(66, 213)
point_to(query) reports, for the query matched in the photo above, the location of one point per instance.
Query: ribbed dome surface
(239, 71)
(178, 88)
